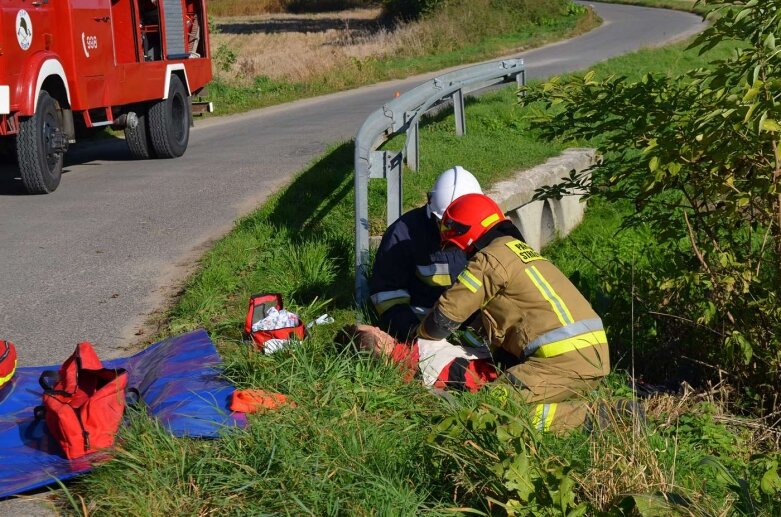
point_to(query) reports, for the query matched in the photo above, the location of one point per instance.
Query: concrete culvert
(547, 224)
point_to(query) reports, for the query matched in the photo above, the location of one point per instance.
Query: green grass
(361, 441)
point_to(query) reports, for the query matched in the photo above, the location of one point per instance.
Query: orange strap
(251, 401)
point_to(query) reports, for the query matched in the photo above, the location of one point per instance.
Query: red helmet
(7, 361)
(468, 218)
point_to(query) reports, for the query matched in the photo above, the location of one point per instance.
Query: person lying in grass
(411, 271)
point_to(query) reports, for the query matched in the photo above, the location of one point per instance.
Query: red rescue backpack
(84, 406)
(258, 305)
(7, 362)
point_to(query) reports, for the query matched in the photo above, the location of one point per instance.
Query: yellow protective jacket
(528, 307)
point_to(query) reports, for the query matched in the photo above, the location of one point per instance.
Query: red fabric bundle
(84, 407)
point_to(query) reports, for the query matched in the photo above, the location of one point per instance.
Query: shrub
(698, 158)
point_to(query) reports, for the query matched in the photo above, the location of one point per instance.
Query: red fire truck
(72, 64)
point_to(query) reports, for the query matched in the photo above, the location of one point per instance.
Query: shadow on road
(316, 192)
(85, 151)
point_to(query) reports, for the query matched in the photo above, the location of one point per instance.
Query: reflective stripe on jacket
(411, 272)
(528, 306)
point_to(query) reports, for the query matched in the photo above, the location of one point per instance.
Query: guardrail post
(458, 107)
(393, 174)
(361, 228)
(521, 79)
(412, 146)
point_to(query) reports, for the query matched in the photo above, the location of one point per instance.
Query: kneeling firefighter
(538, 323)
(411, 271)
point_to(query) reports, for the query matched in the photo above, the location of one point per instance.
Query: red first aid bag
(7, 362)
(83, 404)
(259, 304)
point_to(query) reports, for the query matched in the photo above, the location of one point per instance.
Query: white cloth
(276, 319)
(274, 345)
(323, 319)
(436, 355)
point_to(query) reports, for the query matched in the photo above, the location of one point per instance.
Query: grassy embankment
(264, 60)
(361, 441)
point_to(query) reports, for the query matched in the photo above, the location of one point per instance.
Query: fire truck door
(93, 47)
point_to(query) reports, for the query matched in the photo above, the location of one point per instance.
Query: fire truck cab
(66, 64)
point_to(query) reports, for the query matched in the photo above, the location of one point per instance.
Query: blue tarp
(178, 381)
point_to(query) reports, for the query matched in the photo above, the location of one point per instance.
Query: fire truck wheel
(169, 121)
(40, 146)
(138, 138)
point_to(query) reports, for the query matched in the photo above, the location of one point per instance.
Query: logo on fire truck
(88, 43)
(24, 29)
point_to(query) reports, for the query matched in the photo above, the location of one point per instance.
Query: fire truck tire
(169, 121)
(40, 161)
(138, 138)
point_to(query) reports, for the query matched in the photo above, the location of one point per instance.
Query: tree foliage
(698, 156)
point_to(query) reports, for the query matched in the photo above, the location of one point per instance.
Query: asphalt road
(94, 259)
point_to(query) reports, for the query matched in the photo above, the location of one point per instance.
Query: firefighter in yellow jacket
(532, 313)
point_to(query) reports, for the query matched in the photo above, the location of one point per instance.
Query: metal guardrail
(403, 114)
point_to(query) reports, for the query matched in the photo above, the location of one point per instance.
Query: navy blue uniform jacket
(410, 272)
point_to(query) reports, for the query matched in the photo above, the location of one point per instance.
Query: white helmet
(451, 184)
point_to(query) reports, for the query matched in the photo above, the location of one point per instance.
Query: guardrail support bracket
(393, 174)
(387, 165)
(520, 79)
(412, 147)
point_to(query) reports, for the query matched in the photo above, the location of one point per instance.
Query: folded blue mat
(178, 381)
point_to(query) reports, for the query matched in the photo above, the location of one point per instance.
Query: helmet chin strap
(455, 183)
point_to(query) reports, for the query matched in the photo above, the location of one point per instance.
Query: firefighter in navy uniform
(531, 312)
(411, 271)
